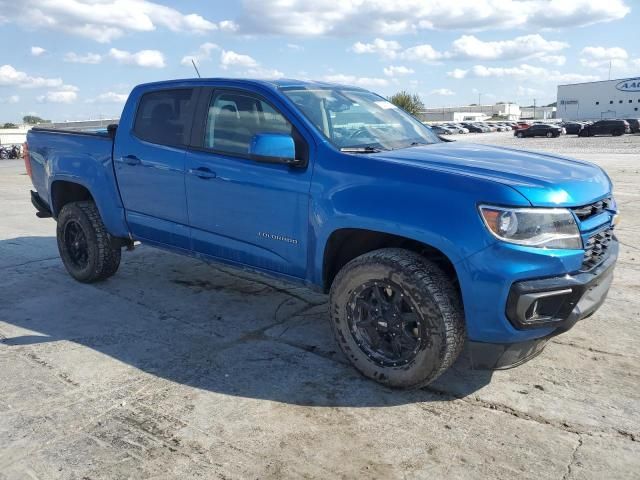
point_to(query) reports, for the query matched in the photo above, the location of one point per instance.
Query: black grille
(596, 249)
(583, 213)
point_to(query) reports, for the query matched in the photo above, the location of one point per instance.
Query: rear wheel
(397, 317)
(520, 135)
(88, 252)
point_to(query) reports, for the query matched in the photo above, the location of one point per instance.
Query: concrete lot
(178, 369)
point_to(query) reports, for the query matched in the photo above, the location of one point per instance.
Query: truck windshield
(357, 120)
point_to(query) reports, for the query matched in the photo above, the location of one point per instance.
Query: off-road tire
(103, 252)
(437, 302)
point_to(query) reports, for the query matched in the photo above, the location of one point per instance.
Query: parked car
(490, 128)
(473, 128)
(440, 130)
(634, 124)
(423, 245)
(455, 128)
(539, 130)
(606, 127)
(573, 128)
(462, 128)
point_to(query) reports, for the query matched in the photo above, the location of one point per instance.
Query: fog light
(542, 306)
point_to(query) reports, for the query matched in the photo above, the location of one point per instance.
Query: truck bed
(63, 151)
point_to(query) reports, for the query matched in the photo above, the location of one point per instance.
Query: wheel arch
(64, 192)
(345, 244)
(64, 189)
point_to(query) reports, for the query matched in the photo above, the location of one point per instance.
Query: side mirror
(273, 148)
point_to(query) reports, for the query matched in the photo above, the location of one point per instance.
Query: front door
(241, 210)
(150, 164)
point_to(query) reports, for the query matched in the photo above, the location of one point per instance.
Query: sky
(78, 59)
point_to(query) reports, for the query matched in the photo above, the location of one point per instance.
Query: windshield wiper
(367, 149)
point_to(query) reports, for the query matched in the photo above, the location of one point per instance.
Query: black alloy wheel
(384, 323)
(75, 241)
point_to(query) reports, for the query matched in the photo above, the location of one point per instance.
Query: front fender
(435, 208)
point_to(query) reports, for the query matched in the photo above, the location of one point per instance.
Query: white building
(507, 111)
(597, 100)
(82, 124)
(14, 136)
(537, 113)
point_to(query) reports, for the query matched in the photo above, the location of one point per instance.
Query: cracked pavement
(175, 368)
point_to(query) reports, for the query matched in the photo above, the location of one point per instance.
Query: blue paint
(278, 219)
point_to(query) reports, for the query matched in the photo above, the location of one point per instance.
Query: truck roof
(279, 83)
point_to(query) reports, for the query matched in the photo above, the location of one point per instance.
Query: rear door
(150, 166)
(241, 210)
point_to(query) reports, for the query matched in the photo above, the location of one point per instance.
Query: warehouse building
(597, 100)
(505, 111)
(14, 136)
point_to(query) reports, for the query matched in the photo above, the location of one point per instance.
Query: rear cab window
(164, 117)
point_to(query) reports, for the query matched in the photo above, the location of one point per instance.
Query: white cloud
(470, 47)
(443, 92)
(247, 66)
(396, 71)
(228, 26)
(229, 58)
(37, 51)
(424, 53)
(353, 80)
(457, 73)
(106, 20)
(524, 71)
(143, 58)
(385, 48)
(89, 58)
(528, 92)
(380, 17)
(110, 97)
(9, 76)
(58, 96)
(202, 55)
(295, 47)
(558, 60)
(10, 99)
(264, 73)
(599, 57)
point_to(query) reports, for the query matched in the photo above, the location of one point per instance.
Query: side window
(234, 118)
(163, 117)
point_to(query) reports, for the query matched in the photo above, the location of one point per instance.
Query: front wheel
(549, 134)
(520, 135)
(397, 317)
(87, 250)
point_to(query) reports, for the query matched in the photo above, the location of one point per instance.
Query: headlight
(533, 227)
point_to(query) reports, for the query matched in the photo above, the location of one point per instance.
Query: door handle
(131, 160)
(203, 172)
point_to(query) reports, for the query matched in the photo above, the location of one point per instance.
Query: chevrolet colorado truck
(423, 245)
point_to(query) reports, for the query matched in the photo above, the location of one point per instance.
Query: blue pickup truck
(424, 245)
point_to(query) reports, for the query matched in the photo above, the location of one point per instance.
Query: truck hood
(543, 179)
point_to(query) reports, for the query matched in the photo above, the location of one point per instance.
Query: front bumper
(581, 295)
(559, 302)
